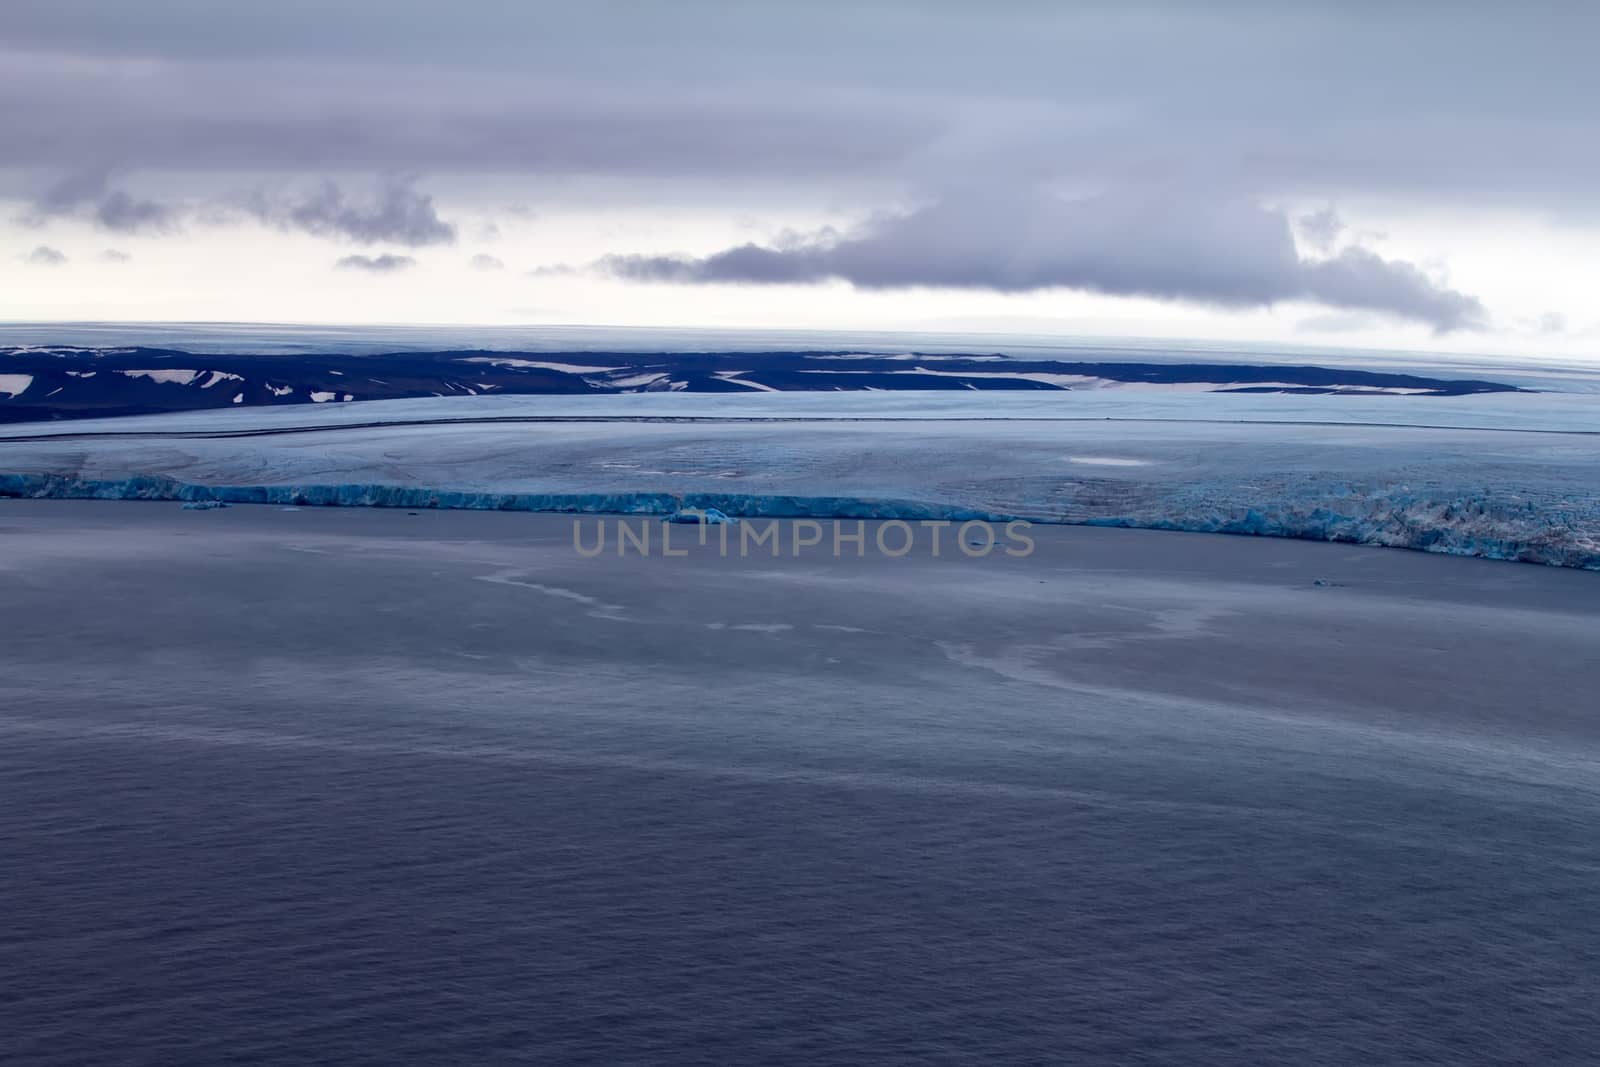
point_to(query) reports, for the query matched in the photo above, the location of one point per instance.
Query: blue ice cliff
(1558, 530)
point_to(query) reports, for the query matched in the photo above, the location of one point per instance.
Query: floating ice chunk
(700, 516)
(1108, 461)
(205, 505)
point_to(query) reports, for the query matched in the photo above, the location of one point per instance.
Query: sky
(1398, 175)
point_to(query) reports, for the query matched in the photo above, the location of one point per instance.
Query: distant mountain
(47, 382)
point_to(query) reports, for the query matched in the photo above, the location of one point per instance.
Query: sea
(345, 786)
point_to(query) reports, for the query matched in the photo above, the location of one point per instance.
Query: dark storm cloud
(1222, 250)
(387, 263)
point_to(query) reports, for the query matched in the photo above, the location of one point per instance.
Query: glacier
(1557, 533)
(1510, 477)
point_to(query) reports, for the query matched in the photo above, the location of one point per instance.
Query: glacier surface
(1507, 477)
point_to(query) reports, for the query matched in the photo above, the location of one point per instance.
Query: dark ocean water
(325, 787)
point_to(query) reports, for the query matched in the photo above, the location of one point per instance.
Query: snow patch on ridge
(540, 364)
(171, 377)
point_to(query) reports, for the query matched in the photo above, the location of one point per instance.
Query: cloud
(396, 213)
(1359, 278)
(45, 256)
(122, 213)
(393, 212)
(485, 262)
(567, 270)
(1321, 229)
(88, 193)
(1496, 106)
(71, 191)
(388, 263)
(114, 255)
(1166, 243)
(789, 109)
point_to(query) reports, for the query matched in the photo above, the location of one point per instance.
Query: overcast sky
(1406, 174)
